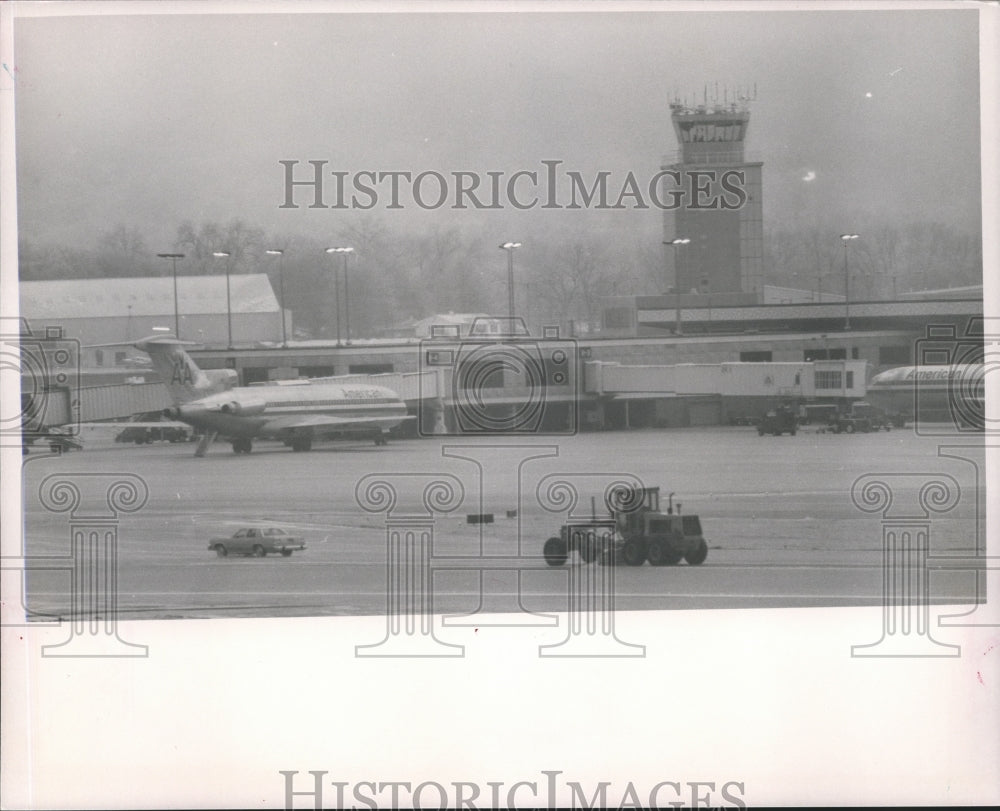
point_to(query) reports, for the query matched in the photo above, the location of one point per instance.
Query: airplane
(293, 411)
(932, 392)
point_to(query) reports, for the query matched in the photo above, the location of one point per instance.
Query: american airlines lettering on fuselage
(295, 412)
(932, 393)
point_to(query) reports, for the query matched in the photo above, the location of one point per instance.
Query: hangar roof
(110, 298)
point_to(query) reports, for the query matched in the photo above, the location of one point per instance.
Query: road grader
(633, 532)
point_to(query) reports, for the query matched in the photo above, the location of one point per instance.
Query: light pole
(280, 253)
(174, 257)
(336, 299)
(344, 251)
(677, 284)
(510, 247)
(847, 290)
(229, 304)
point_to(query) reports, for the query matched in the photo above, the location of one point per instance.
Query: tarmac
(784, 518)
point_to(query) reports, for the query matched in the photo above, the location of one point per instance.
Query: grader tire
(697, 555)
(634, 553)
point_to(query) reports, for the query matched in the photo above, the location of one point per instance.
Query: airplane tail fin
(180, 374)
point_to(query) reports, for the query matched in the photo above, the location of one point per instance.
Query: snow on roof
(109, 298)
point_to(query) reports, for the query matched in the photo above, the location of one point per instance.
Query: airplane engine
(172, 413)
(244, 409)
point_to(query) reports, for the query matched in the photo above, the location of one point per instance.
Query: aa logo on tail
(182, 373)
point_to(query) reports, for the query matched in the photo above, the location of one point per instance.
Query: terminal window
(827, 380)
(810, 355)
(755, 357)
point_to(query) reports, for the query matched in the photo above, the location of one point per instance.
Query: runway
(777, 512)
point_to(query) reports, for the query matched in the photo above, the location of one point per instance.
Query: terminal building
(727, 363)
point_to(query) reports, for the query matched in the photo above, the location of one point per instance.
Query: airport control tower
(718, 196)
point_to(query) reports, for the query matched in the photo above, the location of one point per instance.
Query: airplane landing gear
(381, 439)
(242, 445)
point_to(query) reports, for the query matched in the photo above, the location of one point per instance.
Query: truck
(777, 421)
(634, 531)
(864, 418)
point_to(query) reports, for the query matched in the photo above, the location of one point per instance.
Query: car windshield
(275, 531)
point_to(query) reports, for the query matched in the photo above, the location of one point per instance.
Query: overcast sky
(149, 120)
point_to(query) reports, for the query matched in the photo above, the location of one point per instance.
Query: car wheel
(220, 550)
(286, 553)
(258, 551)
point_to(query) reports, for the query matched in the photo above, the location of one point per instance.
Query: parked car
(257, 541)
